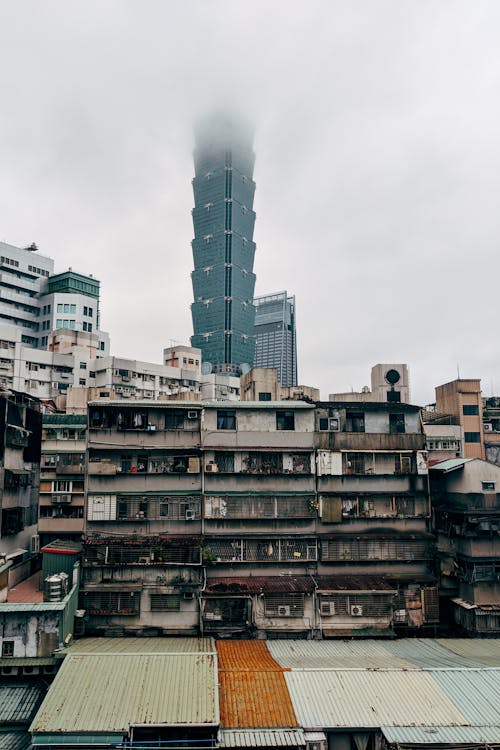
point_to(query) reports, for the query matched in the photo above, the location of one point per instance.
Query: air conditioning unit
(334, 424)
(188, 595)
(284, 611)
(327, 608)
(35, 544)
(190, 515)
(488, 427)
(192, 414)
(356, 610)
(211, 468)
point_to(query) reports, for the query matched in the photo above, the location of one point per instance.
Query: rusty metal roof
(253, 692)
(261, 585)
(354, 583)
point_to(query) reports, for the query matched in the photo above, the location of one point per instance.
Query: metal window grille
(284, 605)
(165, 602)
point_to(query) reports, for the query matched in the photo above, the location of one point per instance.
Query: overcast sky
(377, 171)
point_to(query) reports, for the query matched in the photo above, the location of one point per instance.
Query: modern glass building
(223, 247)
(276, 336)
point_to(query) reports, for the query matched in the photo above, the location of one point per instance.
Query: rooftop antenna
(458, 371)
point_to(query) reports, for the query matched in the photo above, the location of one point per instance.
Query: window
(82, 381)
(396, 423)
(329, 423)
(470, 410)
(284, 605)
(101, 346)
(264, 396)
(60, 308)
(174, 420)
(472, 437)
(61, 485)
(285, 420)
(90, 327)
(59, 323)
(83, 365)
(488, 486)
(224, 461)
(354, 422)
(7, 649)
(165, 602)
(226, 419)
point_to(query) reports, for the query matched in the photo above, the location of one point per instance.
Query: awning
(261, 738)
(61, 738)
(410, 737)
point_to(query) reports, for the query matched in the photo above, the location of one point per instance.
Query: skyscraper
(275, 336)
(223, 248)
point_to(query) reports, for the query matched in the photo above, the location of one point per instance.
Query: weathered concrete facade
(257, 519)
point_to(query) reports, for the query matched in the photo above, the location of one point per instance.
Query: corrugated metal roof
(451, 464)
(354, 583)
(476, 693)
(260, 584)
(253, 692)
(142, 646)
(363, 699)
(246, 655)
(109, 692)
(15, 740)
(18, 703)
(335, 654)
(406, 653)
(444, 735)
(255, 699)
(480, 650)
(261, 738)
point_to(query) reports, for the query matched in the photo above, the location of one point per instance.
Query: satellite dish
(206, 368)
(244, 368)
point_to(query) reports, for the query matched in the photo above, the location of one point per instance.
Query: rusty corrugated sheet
(260, 585)
(253, 691)
(255, 699)
(245, 655)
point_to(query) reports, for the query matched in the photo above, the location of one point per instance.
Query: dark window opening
(396, 423)
(285, 420)
(226, 419)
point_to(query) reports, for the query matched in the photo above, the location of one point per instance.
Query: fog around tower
(377, 167)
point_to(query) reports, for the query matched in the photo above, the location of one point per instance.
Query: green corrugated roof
(18, 703)
(109, 692)
(450, 464)
(142, 646)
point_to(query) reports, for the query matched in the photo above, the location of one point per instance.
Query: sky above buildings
(377, 171)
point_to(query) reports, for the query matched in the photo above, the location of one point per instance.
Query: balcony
(370, 441)
(60, 525)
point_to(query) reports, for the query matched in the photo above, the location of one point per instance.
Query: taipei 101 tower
(223, 247)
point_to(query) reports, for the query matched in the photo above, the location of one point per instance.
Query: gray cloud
(378, 167)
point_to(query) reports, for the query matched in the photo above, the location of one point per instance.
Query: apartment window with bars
(284, 605)
(224, 461)
(165, 602)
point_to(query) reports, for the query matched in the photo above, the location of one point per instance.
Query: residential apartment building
(466, 508)
(62, 474)
(223, 247)
(276, 335)
(462, 399)
(20, 439)
(257, 519)
(142, 558)
(491, 429)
